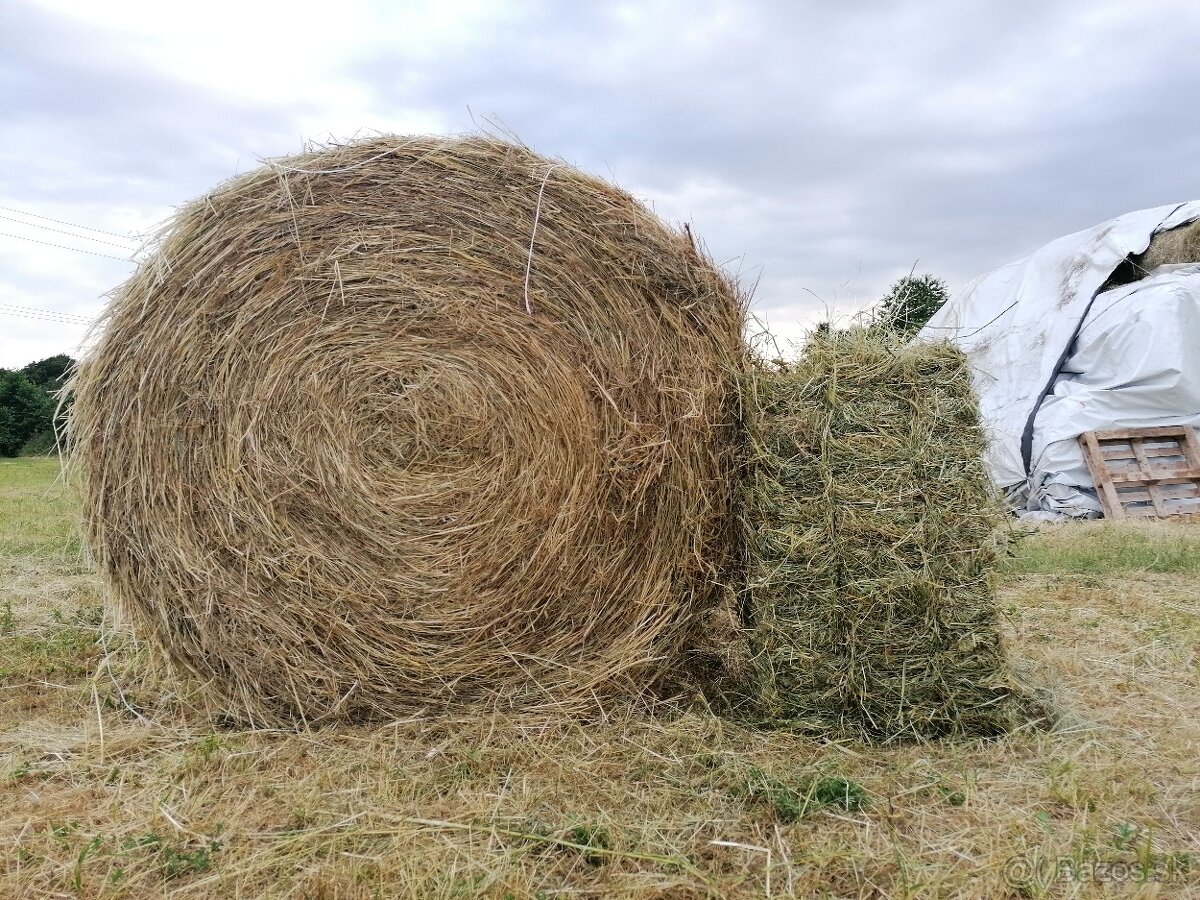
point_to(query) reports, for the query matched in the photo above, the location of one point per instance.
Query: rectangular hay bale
(873, 533)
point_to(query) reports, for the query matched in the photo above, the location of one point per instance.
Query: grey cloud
(104, 126)
(826, 147)
(854, 126)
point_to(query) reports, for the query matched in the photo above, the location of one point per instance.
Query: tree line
(28, 404)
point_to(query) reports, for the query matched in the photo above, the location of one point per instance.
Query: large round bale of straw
(872, 537)
(413, 423)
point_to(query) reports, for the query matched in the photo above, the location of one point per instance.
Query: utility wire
(61, 222)
(44, 312)
(22, 237)
(82, 237)
(69, 322)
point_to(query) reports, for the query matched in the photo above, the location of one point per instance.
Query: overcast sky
(820, 149)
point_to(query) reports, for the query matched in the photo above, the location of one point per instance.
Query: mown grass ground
(115, 784)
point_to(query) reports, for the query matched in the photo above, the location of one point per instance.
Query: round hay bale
(413, 423)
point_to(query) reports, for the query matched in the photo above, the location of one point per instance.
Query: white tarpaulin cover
(1054, 358)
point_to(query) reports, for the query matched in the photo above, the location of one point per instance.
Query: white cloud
(822, 149)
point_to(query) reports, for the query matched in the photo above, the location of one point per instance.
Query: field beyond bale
(115, 783)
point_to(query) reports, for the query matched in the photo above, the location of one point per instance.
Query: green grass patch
(66, 646)
(792, 800)
(38, 513)
(1106, 548)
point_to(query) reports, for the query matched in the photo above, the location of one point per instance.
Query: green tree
(49, 373)
(25, 410)
(910, 303)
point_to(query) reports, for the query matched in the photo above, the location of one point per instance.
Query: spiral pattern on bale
(357, 441)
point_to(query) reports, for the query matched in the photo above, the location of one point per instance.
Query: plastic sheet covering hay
(872, 536)
(409, 424)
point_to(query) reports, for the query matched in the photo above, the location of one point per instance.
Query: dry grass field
(114, 783)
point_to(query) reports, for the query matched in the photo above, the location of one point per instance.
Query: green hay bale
(872, 535)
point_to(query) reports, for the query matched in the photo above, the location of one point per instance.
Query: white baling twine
(537, 214)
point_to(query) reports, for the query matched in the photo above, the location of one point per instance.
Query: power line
(22, 237)
(49, 317)
(82, 237)
(61, 222)
(44, 312)
(65, 322)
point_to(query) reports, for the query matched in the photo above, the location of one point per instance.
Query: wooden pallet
(1145, 472)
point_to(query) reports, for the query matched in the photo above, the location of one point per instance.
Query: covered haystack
(1173, 246)
(872, 537)
(413, 423)
(1089, 332)
(1179, 245)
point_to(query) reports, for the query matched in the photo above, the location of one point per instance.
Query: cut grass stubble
(131, 794)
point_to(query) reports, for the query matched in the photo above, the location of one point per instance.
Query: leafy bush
(27, 405)
(25, 409)
(909, 303)
(50, 373)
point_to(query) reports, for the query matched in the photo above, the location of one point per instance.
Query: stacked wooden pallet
(1146, 472)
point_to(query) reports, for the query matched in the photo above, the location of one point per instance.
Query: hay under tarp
(871, 531)
(1173, 246)
(411, 423)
